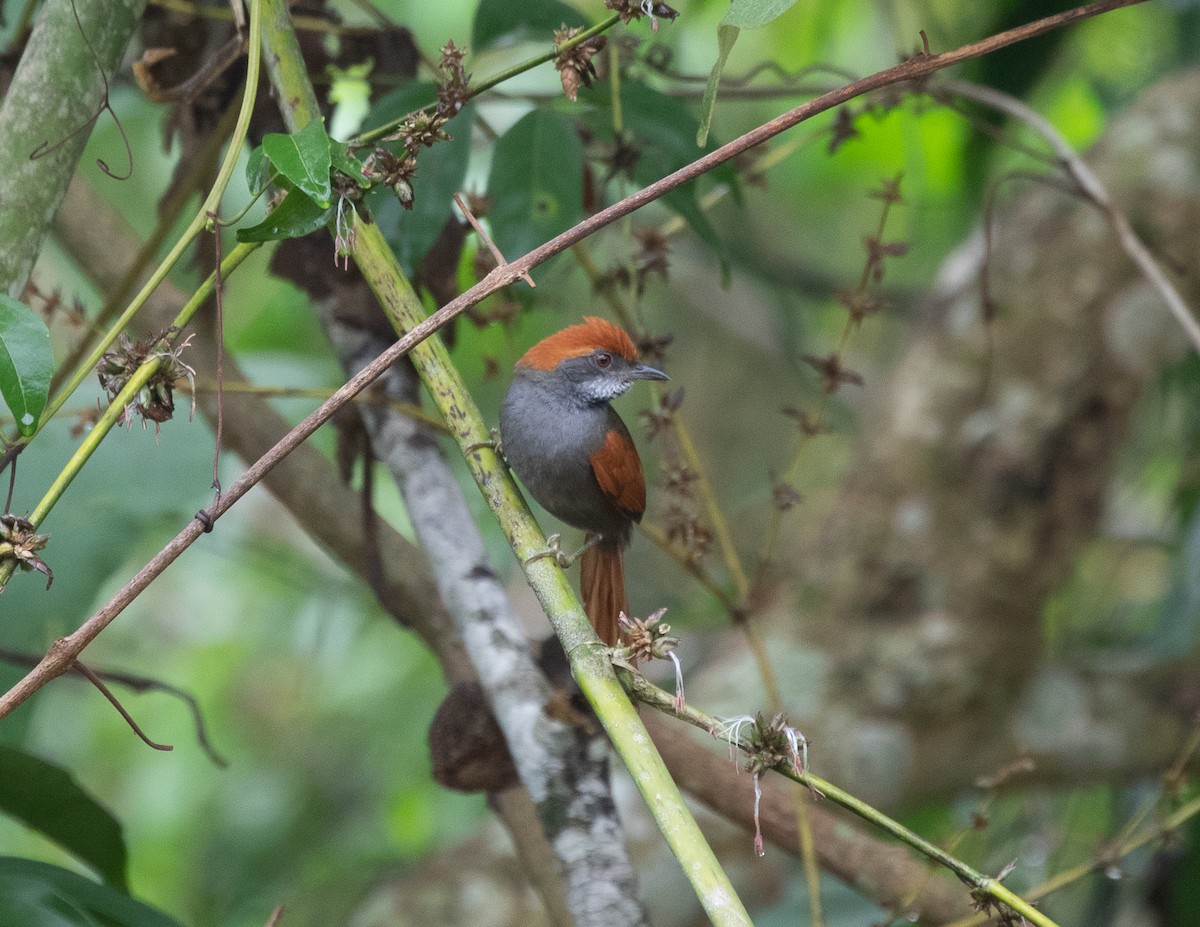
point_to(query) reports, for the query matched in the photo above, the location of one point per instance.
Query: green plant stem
(1172, 821)
(733, 565)
(589, 661)
(708, 497)
(687, 446)
(146, 370)
(112, 415)
(588, 657)
(202, 220)
(646, 692)
(771, 536)
(507, 74)
(168, 212)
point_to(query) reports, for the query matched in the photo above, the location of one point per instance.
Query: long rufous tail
(602, 585)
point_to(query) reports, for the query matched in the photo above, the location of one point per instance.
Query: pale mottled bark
(56, 91)
(986, 468)
(564, 770)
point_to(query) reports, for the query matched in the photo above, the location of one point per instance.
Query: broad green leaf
(664, 127)
(503, 22)
(45, 798)
(258, 171)
(33, 904)
(664, 130)
(536, 183)
(26, 363)
(753, 14)
(726, 36)
(440, 174)
(35, 894)
(303, 158)
(1183, 903)
(343, 161)
(295, 217)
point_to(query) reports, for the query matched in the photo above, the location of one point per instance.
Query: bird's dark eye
(602, 359)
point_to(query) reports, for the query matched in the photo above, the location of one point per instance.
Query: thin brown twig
(1092, 189)
(116, 703)
(64, 651)
(485, 237)
(138, 684)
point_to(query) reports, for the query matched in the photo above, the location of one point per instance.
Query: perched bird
(575, 455)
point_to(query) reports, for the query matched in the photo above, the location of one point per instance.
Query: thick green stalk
(589, 661)
(112, 414)
(588, 658)
(146, 370)
(54, 96)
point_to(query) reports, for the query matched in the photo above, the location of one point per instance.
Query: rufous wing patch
(592, 334)
(618, 470)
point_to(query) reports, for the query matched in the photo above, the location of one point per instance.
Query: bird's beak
(642, 372)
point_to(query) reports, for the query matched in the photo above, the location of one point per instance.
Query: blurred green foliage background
(316, 700)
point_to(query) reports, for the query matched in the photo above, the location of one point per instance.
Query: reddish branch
(61, 656)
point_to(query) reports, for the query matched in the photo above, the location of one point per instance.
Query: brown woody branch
(63, 653)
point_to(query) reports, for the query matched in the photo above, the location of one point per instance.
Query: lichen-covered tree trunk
(985, 468)
(49, 107)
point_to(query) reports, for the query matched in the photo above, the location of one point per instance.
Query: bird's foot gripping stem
(555, 552)
(493, 442)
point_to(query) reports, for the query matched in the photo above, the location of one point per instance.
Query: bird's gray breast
(549, 442)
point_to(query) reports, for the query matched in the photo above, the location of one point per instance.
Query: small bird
(575, 455)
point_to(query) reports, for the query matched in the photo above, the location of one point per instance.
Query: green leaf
(536, 183)
(440, 174)
(503, 22)
(754, 14)
(34, 894)
(303, 158)
(48, 800)
(346, 163)
(258, 171)
(726, 36)
(664, 130)
(26, 362)
(295, 217)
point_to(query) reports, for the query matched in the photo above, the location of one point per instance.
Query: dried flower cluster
(651, 257)
(422, 129)
(770, 745)
(646, 639)
(630, 10)
(649, 639)
(155, 401)
(20, 542)
(453, 92)
(574, 62)
(833, 374)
